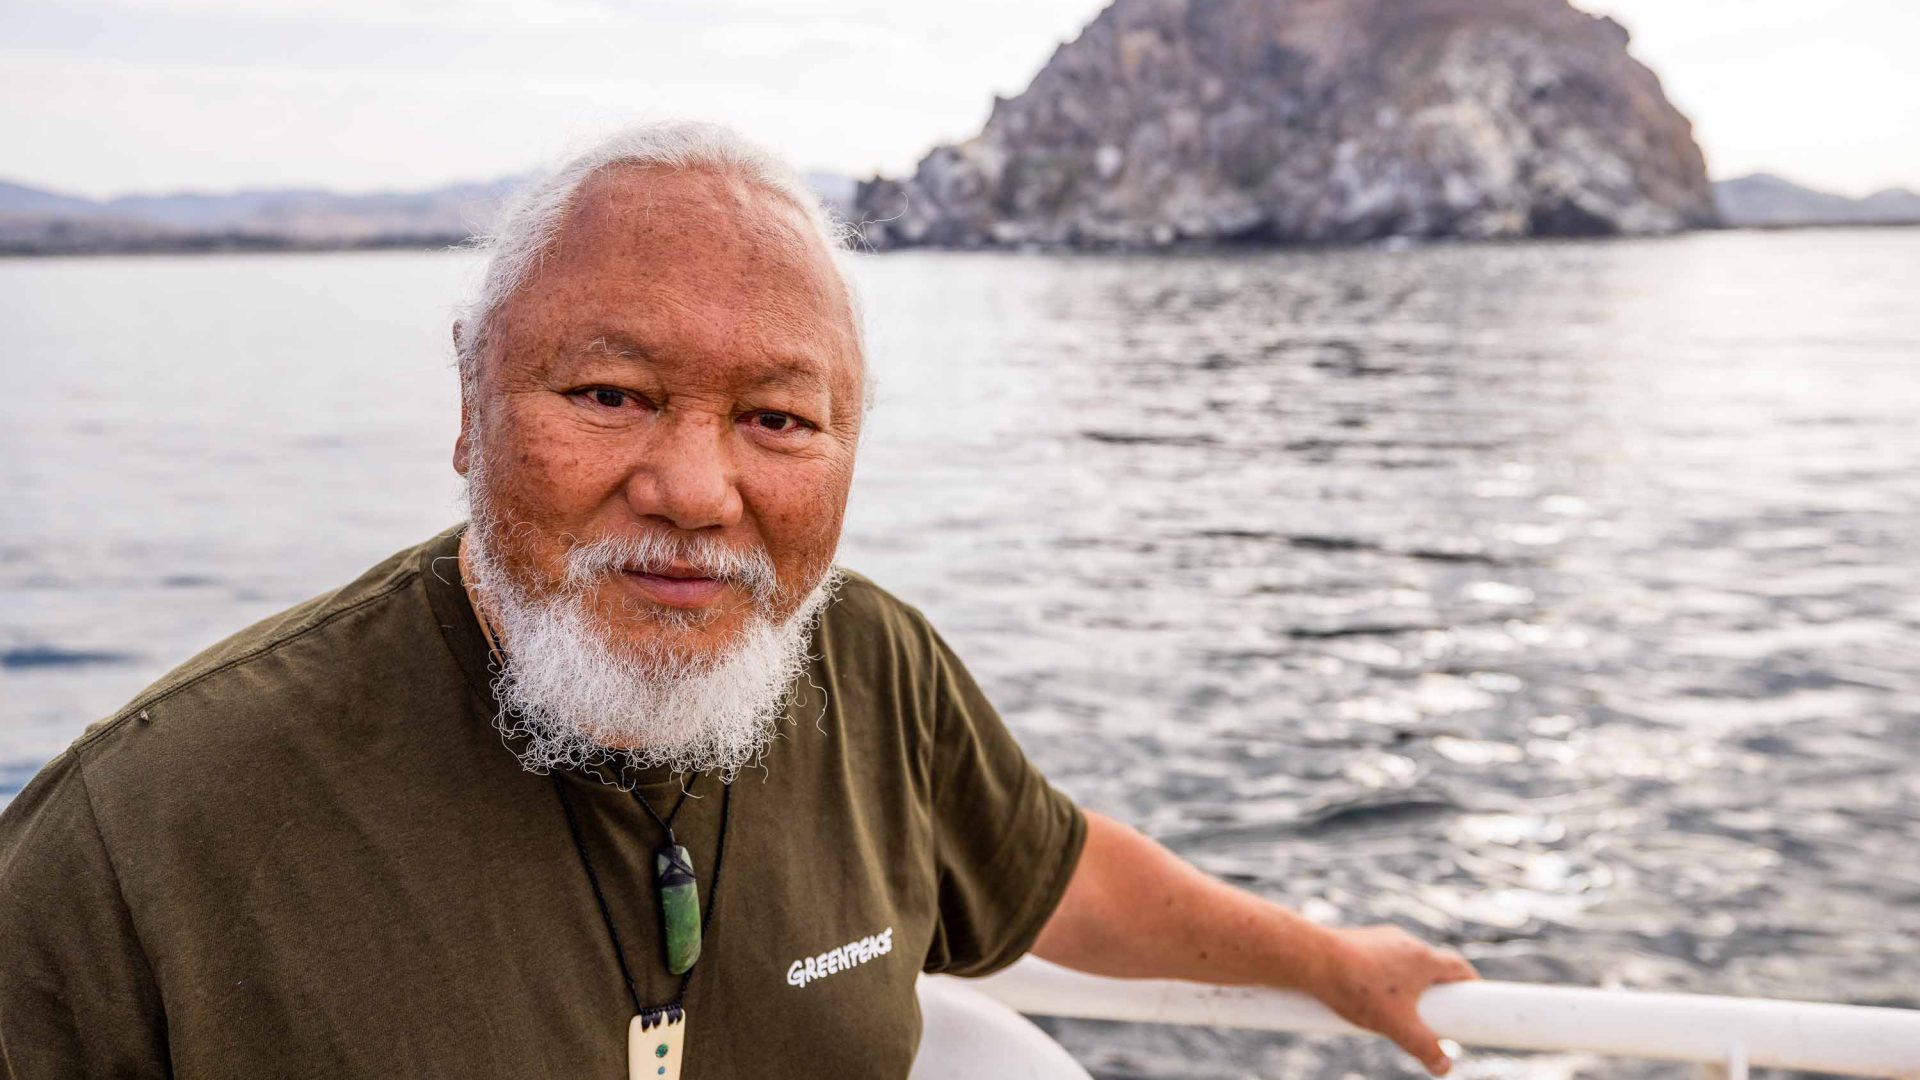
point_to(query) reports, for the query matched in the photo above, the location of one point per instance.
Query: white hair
(527, 225)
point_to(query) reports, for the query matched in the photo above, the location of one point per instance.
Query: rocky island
(1313, 121)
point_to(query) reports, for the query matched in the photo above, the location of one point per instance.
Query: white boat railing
(1731, 1034)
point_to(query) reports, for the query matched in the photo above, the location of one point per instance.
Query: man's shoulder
(868, 634)
(862, 612)
(857, 596)
(277, 659)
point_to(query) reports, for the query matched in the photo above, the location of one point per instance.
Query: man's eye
(612, 399)
(775, 421)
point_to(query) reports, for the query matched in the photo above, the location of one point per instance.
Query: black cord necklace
(656, 1035)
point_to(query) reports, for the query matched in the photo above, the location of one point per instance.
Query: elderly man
(623, 777)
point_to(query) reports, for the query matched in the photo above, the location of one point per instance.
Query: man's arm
(76, 995)
(1135, 910)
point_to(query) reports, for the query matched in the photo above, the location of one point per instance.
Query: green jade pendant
(679, 906)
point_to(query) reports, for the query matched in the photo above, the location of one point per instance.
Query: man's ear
(460, 456)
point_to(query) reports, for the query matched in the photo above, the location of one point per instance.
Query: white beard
(576, 700)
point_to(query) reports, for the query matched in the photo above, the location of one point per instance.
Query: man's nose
(687, 476)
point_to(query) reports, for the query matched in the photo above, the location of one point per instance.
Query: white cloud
(1823, 93)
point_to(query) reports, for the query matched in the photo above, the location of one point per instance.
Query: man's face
(682, 364)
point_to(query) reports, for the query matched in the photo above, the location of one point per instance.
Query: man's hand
(1134, 911)
(1374, 979)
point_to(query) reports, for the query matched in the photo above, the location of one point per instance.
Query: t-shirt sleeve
(76, 995)
(1005, 840)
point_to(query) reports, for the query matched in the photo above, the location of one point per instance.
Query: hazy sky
(151, 95)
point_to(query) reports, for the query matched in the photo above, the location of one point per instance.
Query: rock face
(1318, 121)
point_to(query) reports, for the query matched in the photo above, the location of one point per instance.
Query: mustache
(657, 553)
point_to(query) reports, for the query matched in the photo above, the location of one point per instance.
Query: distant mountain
(37, 221)
(1893, 204)
(457, 209)
(1764, 199)
(32, 219)
(20, 199)
(835, 190)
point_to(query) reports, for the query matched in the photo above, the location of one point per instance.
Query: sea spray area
(1558, 601)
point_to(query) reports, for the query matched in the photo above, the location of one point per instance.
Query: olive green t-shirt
(308, 852)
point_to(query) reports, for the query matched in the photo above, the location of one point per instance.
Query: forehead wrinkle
(627, 208)
(717, 212)
(777, 367)
(791, 373)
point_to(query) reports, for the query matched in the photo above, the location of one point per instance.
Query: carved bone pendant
(657, 1044)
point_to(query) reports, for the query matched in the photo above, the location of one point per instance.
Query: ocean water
(1557, 601)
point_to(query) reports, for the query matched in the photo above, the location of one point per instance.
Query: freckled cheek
(558, 474)
(798, 509)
